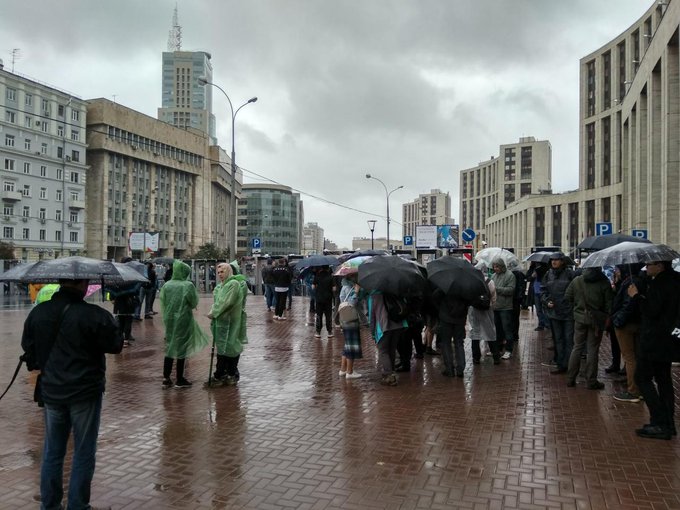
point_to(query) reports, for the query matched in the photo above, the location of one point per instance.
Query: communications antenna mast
(16, 55)
(175, 34)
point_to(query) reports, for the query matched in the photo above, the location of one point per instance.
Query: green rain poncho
(229, 316)
(183, 336)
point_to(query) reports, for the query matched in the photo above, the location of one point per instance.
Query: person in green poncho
(228, 315)
(183, 336)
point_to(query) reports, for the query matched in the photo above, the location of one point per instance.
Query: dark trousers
(660, 399)
(226, 365)
(505, 328)
(516, 310)
(324, 309)
(167, 368)
(616, 349)
(387, 349)
(563, 335)
(413, 337)
(452, 355)
(280, 303)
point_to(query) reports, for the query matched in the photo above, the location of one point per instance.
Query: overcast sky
(409, 91)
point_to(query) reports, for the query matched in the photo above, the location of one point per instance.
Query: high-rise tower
(186, 103)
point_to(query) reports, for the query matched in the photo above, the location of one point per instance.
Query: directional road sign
(468, 235)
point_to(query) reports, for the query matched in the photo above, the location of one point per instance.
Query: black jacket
(323, 285)
(659, 298)
(450, 309)
(282, 276)
(72, 366)
(553, 287)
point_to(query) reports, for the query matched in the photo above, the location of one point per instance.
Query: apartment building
(313, 239)
(43, 168)
(433, 208)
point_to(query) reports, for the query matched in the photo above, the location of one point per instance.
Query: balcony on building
(11, 196)
(76, 204)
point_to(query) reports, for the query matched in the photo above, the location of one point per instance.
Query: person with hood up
(504, 281)
(482, 323)
(183, 336)
(558, 309)
(229, 318)
(590, 295)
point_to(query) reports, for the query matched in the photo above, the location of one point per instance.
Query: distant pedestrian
(268, 281)
(282, 276)
(386, 333)
(348, 315)
(324, 290)
(125, 301)
(558, 309)
(150, 289)
(482, 322)
(452, 316)
(228, 317)
(504, 311)
(183, 336)
(66, 339)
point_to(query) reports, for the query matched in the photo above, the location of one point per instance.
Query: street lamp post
(232, 211)
(371, 226)
(387, 197)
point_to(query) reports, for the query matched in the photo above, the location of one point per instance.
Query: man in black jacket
(658, 298)
(66, 339)
(324, 290)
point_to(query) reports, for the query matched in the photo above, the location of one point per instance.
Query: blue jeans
(83, 419)
(453, 356)
(269, 295)
(563, 335)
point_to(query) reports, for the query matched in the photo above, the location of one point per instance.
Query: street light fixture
(232, 211)
(371, 225)
(387, 197)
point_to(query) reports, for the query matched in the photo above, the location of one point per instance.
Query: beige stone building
(148, 176)
(629, 164)
(433, 208)
(313, 239)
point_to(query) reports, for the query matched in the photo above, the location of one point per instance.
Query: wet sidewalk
(293, 434)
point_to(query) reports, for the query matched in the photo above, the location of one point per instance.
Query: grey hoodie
(505, 285)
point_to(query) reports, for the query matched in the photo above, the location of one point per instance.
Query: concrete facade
(145, 175)
(433, 208)
(43, 169)
(313, 239)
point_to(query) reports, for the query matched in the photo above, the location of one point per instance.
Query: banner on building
(447, 236)
(426, 236)
(138, 241)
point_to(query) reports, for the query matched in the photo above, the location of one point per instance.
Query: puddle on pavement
(18, 460)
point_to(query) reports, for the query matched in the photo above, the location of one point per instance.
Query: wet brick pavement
(293, 434)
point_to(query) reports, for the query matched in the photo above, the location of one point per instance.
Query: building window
(73, 237)
(60, 130)
(43, 149)
(44, 126)
(42, 213)
(60, 110)
(26, 213)
(27, 144)
(25, 234)
(75, 115)
(27, 168)
(28, 99)
(74, 176)
(60, 174)
(9, 140)
(8, 185)
(26, 192)
(11, 94)
(73, 217)
(8, 232)
(10, 117)
(60, 195)
(45, 107)
(8, 209)
(590, 87)
(75, 155)
(57, 235)
(43, 193)
(41, 234)
(43, 171)
(57, 215)
(9, 164)
(75, 135)
(60, 152)
(28, 121)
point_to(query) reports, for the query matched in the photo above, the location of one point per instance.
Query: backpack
(347, 312)
(483, 300)
(397, 309)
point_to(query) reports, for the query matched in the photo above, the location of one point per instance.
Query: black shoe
(654, 432)
(419, 355)
(148, 316)
(558, 370)
(183, 383)
(539, 328)
(611, 369)
(597, 385)
(167, 383)
(431, 352)
(403, 368)
(571, 384)
(459, 373)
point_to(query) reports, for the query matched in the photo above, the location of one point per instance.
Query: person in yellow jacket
(228, 315)
(183, 336)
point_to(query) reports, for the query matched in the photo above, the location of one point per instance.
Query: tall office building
(313, 239)
(187, 103)
(433, 208)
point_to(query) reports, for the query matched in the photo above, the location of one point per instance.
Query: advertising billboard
(137, 241)
(426, 236)
(447, 236)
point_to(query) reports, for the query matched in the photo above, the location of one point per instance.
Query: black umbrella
(163, 260)
(360, 253)
(630, 253)
(594, 243)
(73, 268)
(315, 261)
(544, 257)
(456, 277)
(392, 275)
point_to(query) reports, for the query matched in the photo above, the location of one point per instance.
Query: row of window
(10, 166)
(157, 148)
(8, 210)
(8, 233)
(12, 96)
(44, 125)
(26, 191)
(10, 141)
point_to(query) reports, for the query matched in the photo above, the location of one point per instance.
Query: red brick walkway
(295, 435)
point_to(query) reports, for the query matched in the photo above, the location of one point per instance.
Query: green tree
(211, 252)
(6, 251)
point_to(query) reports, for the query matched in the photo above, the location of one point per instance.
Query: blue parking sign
(641, 233)
(256, 243)
(408, 240)
(603, 229)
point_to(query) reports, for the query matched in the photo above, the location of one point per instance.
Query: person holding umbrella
(659, 301)
(183, 336)
(324, 290)
(66, 339)
(228, 317)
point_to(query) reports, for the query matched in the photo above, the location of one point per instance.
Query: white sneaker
(341, 373)
(331, 335)
(317, 335)
(488, 353)
(353, 375)
(506, 355)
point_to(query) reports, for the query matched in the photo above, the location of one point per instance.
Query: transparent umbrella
(631, 253)
(487, 255)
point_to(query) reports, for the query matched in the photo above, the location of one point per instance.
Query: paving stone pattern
(293, 434)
